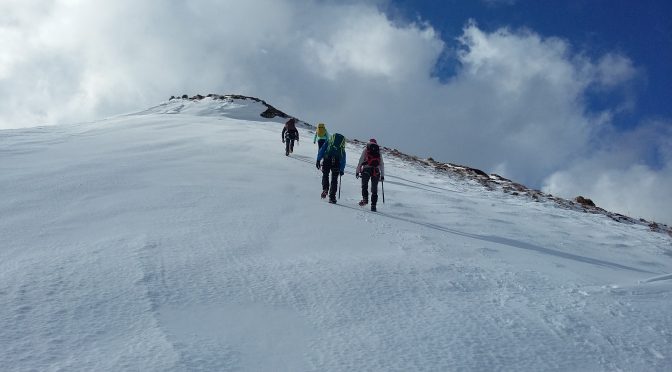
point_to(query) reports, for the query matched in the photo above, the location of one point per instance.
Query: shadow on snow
(488, 238)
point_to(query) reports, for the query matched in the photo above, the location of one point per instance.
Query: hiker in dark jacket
(289, 135)
(370, 167)
(333, 153)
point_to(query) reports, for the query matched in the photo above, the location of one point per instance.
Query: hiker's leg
(365, 185)
(374, 189)
(334, 182)
(325, 177)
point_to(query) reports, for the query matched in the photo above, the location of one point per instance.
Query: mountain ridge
(182, 238)
(491, 182)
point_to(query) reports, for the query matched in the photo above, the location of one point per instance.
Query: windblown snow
(182, 238)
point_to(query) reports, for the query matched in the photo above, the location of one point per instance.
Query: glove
(357, 175)
(317, 164)
(313, 142)
(283, 140)
(341, 173)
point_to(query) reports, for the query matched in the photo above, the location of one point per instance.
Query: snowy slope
(182, 238)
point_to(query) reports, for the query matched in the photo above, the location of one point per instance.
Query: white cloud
(516, 105)
(636, 190)
(613, 70)
(630, 173)
(521, 96)
(367, 43)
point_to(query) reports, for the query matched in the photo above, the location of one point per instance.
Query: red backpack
(372, 155)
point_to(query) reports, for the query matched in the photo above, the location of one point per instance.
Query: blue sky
(569, 97)
(642, 30)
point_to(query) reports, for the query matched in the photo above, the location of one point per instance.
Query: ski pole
(382, 185)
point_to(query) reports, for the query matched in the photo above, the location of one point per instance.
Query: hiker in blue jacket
(333, 153)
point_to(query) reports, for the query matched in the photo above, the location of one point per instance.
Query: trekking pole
(382, 185)
(339, 186)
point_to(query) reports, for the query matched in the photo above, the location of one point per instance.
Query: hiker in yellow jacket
(321, 135)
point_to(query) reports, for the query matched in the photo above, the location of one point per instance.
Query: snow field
(187, 242)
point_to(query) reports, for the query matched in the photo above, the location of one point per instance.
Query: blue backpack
(335, 149)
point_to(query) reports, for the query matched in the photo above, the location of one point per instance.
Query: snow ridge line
(495, 182)
(491, 182)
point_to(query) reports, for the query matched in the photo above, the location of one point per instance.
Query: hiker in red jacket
(370, 167)
(289, 135)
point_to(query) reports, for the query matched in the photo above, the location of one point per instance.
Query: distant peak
(271, 112)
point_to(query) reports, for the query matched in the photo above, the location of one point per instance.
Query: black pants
(335, 171)
(289, 142)
(373, 174)
(289, 145)
(320, 142)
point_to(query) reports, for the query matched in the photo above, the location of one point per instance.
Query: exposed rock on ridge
(491, 182)
(270, 112)
(494, 182)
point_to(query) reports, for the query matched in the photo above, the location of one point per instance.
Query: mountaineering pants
(373, 174)
(289, 145)
(320, 142)
(334, 179)
(289, 141)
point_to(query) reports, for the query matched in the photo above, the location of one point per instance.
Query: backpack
(291, 126)
(292, 135)
(335, 148)
(321, 130)
(372, 155)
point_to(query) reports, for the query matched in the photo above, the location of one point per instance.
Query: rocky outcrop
(584, 201)
(497, 183)
(269, 113)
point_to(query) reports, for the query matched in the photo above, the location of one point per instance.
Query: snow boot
(332, 201)
(324, 194)
(373, 208)
(286, 153)
(363, 202)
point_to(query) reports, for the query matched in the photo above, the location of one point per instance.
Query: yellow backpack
(321, 130)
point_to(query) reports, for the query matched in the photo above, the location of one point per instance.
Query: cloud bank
(517, 105)
(630, 173)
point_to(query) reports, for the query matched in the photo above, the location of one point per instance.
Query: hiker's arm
(362, 157)
(320, 153)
